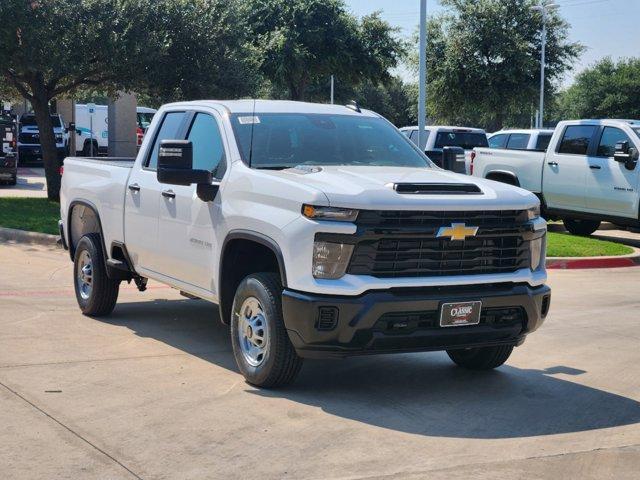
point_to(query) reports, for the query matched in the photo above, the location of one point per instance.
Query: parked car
(439, 137)
(319, 230)
(29, 148)
(8, 161)
(587, 175)
(100, 123)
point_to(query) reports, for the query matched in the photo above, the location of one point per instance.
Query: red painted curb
(606, 262)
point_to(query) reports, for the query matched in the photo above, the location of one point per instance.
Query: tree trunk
(40, 104)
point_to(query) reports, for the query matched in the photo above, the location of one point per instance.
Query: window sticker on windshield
(248, 120)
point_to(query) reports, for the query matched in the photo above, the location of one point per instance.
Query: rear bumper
(321, 326)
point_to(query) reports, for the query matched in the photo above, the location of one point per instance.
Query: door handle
(134, 187)
(168, 194)
(552, 164)
(595, 167)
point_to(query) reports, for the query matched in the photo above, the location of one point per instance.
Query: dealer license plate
(460, 313)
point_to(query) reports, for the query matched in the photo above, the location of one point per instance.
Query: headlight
(533, 212)
(330, 260)
(537, 247)
(330, 213)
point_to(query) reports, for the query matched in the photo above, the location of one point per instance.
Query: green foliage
(566, 245)
(303, 42)
(483, 61)
(606, 90)
(32, 214)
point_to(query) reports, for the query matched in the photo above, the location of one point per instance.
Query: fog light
(330, 260)
(537, 252)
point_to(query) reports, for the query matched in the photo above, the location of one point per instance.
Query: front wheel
(483, 358)
(96, 293)
(261, 345)
(581, 227)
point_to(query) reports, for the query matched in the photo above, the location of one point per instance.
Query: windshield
(291, 139)
(465, 140)
(144, 119)
(30, 121)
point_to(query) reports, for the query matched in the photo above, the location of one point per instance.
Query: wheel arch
(77, 227)
(501, 175)
(244, 252)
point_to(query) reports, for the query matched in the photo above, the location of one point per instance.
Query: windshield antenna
(253, 123)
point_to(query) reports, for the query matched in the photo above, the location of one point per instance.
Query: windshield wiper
(274, 167)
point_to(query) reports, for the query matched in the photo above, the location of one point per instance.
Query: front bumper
(405, 320)
(34, 152)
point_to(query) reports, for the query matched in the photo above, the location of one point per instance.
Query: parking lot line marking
(70, 430)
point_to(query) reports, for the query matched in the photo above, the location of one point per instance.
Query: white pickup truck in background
(587, 175)
(439, 137)
(319, 230)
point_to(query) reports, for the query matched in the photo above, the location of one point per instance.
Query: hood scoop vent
(437, 189)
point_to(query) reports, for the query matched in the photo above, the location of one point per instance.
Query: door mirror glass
(175, 162)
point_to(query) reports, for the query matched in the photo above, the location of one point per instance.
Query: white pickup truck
(588, 173)
(319, 230)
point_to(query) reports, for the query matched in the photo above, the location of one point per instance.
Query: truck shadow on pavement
(423, 393)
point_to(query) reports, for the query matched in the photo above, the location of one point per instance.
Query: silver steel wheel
(84, 275)
(252, 332)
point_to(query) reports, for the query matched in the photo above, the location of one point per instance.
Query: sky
(605, 27)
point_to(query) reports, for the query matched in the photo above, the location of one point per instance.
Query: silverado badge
(457, 231)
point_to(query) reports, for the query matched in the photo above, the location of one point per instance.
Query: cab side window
(518, 141)
(543, 142)
(169, 130)
(208, 149)
(610, 136)
(576, 139)
(498, 141)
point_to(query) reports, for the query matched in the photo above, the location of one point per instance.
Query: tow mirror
(453, 159)
(626, 154)
(175, 167)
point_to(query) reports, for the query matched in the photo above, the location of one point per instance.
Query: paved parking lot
(31, 183)
(152, 392)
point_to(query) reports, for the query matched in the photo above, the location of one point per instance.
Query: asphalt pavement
(152, 392)
(31, 183)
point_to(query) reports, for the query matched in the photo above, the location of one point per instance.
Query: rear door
(186, 232)
(142, 197)
(565, 169)
(611, 186)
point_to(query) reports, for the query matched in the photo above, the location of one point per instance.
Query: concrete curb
(23, 236)
(574, 263)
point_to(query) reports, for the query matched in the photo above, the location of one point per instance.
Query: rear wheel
(261, 345)
(484, 358)
(13, 180)
(96, 293)
(581, 227)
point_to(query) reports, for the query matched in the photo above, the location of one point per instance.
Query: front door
(186, 237)
(612, 189)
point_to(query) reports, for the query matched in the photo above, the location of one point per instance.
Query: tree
(303, 42)
(176, 48)
(484, 60)
(606, 90)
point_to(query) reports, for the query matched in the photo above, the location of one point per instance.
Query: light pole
(544, 8)
(422, 87)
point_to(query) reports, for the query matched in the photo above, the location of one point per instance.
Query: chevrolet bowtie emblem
(457, 231)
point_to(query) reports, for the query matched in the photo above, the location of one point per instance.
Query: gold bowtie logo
(457, 231)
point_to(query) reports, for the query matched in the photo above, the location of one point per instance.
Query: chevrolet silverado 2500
(588, 173)
(319, 230)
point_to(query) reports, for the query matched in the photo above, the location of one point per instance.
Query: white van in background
(100, 137)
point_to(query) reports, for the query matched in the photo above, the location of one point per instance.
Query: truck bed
(101, 184)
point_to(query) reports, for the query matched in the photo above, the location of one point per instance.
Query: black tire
(13, 181)
(581, 227)
(101, 298)
(484, 358)
(279, 364)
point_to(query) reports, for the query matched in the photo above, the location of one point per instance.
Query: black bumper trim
(356, 332)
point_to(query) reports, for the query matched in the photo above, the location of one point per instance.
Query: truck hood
(366, 187)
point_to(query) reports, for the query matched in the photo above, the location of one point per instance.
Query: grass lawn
(33, 214)
(567, 245)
